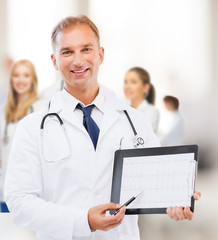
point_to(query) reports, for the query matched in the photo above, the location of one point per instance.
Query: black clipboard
(122, 155)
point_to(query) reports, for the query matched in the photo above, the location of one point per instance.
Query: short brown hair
(70, 22)
(173, 100)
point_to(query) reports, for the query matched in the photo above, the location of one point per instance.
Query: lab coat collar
(64, 104)
(105, 98)
(113, 108)
(99, 101)
(113, 101)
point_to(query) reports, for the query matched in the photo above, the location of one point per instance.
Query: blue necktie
(89, 123)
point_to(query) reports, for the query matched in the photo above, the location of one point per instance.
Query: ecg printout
(166, 180)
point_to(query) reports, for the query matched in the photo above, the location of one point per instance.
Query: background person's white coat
(5, 148)
(172, 129)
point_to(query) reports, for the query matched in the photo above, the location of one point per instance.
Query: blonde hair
(12, 100)
(70, 22)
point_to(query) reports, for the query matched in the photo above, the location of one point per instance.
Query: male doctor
(61, 188)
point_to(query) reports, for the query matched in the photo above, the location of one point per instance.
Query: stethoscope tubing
(137, 140)
(50, 114)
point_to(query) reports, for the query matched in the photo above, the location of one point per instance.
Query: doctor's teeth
(79, 71)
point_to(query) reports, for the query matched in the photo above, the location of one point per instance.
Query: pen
(127, 203)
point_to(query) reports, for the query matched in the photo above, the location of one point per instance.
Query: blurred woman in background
(21, 100)
(141, 93)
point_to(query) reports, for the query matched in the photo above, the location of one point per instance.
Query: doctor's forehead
(78, 36)
(72, 21)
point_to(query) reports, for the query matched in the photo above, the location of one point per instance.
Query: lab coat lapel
(110, 117)
(69, 115)
(113, 109)
(66, 113)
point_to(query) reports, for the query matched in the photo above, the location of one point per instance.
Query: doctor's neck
(84, 95)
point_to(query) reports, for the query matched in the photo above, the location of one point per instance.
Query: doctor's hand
(98, 220)
(181, 213)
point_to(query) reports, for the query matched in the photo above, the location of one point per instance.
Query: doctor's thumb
(110, 206)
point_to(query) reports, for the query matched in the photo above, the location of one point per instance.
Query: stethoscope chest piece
(138, 141)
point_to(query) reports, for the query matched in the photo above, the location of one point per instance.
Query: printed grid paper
(165, 180)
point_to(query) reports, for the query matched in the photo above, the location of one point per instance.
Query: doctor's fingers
(171, 211)
(180, 213)
(109, 227)
(109, 206)
(197, 195)
(113, 221)
(98, 220)
(174, 214)
(188, 213)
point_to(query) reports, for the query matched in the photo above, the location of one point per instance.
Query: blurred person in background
(141, 93)
(172, 127)
(21, 100)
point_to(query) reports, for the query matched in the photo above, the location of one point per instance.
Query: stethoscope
(138, 141)
(6, 137)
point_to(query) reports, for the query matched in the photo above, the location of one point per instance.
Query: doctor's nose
(78, 60)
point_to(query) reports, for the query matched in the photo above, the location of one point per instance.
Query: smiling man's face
(77, 56)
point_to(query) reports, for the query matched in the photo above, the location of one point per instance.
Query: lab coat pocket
(55, 142)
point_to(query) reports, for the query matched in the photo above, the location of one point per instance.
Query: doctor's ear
(54, 61)
(101, 54)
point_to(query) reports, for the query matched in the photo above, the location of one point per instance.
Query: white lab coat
(5, 148)
(151, 112)
(172, 129)
(53, 198)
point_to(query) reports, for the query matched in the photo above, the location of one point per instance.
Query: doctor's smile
(80, 72)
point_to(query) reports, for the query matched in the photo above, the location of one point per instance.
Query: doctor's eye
(86, 50)
(66, 52)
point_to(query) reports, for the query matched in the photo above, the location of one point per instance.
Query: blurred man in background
(172, 129)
